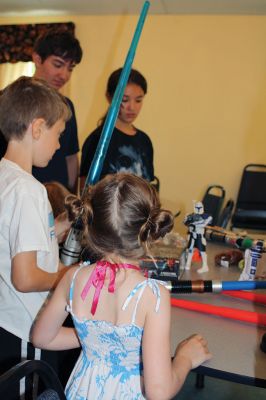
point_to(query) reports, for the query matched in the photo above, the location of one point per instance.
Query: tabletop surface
(234, 344)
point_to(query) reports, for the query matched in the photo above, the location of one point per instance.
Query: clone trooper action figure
(196, 223)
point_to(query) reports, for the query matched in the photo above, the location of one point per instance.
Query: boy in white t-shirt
(32, 117)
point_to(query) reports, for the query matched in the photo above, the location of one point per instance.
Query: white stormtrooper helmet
(198, 207)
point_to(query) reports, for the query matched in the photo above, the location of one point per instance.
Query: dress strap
(71, 289)
(154, 285)
(97, 279)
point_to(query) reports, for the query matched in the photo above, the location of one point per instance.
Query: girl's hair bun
(73, 205)
(158, 224)
(121, 215)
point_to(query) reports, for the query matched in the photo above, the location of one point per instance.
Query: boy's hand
(62, 227)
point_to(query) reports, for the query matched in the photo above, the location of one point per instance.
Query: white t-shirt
(26, 224)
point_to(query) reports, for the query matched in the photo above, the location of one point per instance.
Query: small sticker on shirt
(51, 224)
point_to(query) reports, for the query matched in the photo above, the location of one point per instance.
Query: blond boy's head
(26, 100)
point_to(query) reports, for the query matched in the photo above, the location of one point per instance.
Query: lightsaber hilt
(209, 286)
(214, 234)
(198, 286)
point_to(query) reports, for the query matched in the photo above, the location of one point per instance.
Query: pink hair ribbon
(98, 277)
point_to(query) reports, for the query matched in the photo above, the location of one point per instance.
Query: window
(11, 71)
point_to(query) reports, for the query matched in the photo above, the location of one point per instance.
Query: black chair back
(250, 209)
(46, 373)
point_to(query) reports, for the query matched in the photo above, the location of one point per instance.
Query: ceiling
(109, 7)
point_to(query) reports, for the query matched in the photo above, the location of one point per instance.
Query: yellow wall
(206, 105)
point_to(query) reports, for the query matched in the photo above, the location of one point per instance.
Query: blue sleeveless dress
(110, 363)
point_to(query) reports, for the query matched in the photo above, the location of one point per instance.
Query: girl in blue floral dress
(121, 318)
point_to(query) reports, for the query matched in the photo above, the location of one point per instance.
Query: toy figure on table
(252, 257)
(196, 223)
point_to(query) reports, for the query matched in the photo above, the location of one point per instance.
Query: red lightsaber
(254, 297)
(226, 312)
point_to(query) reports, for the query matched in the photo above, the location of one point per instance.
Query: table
(234, 345)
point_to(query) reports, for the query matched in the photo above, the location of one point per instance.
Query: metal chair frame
(28, 367)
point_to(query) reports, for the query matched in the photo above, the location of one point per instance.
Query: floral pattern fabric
(110, 364)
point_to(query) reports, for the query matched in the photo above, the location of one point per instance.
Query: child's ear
(38, 126)
(36, 59)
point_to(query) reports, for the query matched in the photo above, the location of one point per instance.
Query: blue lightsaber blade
(243, 285)
(71, 250)
(108, 127)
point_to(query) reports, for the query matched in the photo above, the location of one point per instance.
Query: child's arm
(163, 378)
(48, 332)
(26, 276)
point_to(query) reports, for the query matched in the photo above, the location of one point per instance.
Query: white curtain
(11, 71)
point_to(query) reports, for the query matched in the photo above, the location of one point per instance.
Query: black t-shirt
(56, 170)
(125, 153)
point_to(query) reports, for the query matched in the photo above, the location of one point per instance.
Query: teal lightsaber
(71, 250)
(108, 127)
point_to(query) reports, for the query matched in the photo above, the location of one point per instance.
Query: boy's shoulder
(15, 179)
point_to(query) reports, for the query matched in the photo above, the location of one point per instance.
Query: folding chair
(46, 373)
(213, 201)
(250, 209)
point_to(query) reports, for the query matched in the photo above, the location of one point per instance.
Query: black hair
(58, 42)
(134, 77)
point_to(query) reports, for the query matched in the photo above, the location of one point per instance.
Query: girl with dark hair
(122, 319)
(130, 149)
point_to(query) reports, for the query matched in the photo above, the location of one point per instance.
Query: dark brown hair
(27, 99)
(120, 215)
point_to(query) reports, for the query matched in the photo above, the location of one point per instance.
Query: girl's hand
(194, 349)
